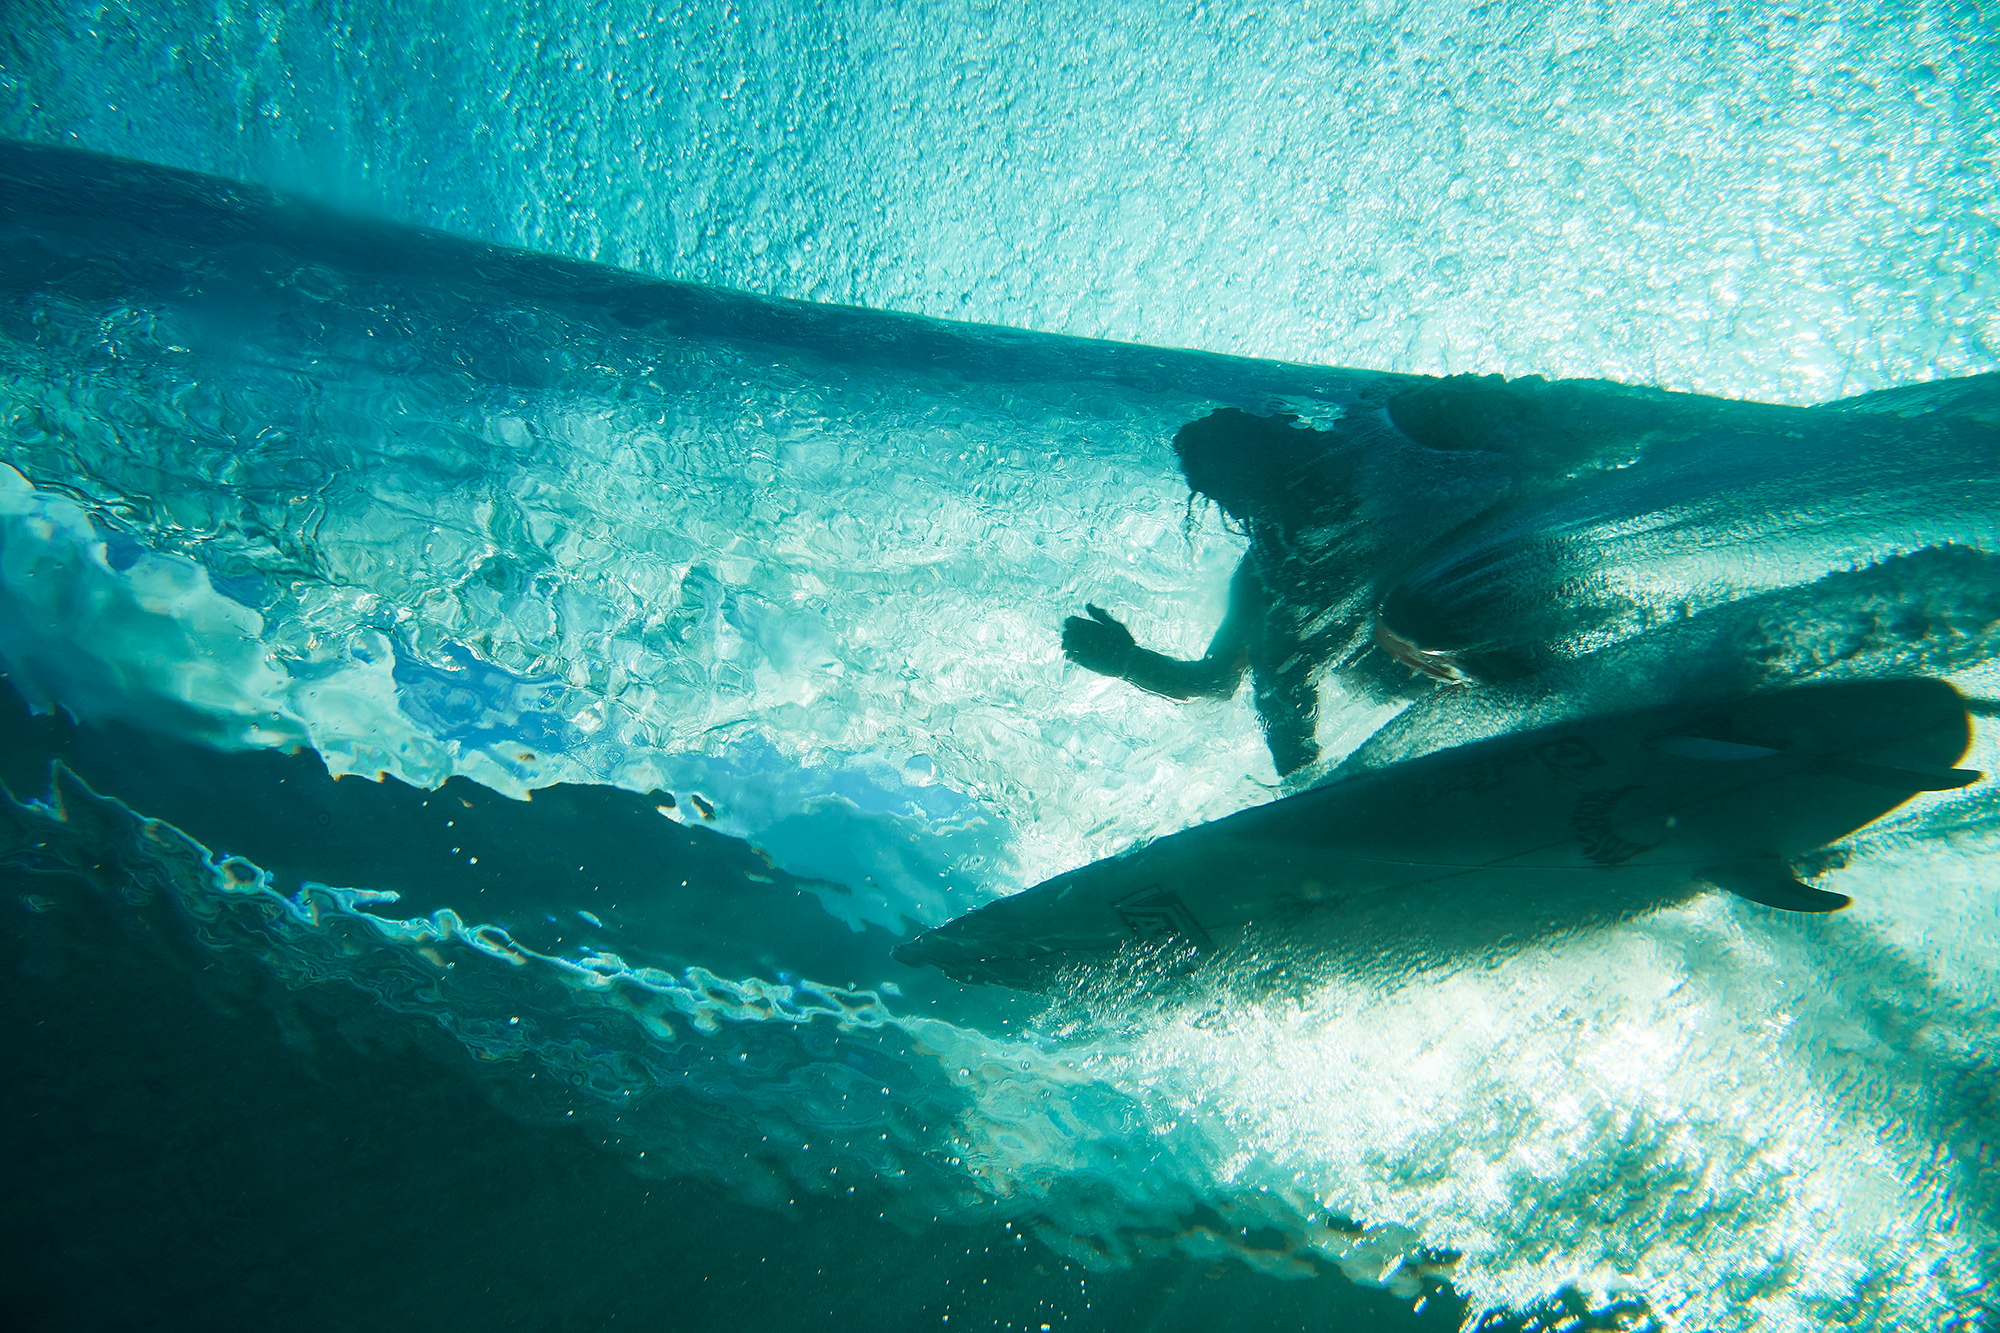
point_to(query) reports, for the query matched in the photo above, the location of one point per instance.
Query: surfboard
(1500, 842)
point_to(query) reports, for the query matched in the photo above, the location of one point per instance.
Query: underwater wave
(434, 512)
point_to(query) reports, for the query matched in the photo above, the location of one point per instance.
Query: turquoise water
(1778, 201)
(773, 590)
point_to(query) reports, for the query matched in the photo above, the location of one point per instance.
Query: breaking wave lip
(1590, 190)
(1756, 1123)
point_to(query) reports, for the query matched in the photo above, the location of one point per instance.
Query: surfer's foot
(1437, 663)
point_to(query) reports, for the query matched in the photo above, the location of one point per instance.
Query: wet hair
(1246, 463)
(1198, 505)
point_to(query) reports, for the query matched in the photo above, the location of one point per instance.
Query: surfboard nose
(971, 961)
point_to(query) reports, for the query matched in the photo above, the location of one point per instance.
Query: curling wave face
(1784, 202)
(433, 510)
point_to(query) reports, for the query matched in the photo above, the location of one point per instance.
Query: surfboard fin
(1771, 883)
(1899, 779)
(1709, 749)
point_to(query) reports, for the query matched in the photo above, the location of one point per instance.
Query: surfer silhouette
(1328, 520)
(1290, 490)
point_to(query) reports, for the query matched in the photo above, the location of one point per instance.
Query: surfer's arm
(1103, 644)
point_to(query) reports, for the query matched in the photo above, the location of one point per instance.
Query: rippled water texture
(782, 584)
(1780, 201)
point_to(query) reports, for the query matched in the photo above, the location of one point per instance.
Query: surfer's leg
(1288, 705)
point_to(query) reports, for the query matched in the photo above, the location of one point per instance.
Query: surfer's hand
(1100, 643)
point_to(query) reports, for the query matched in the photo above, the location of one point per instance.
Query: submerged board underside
(1497, 846)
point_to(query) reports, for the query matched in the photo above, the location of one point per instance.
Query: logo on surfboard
(1158, 916)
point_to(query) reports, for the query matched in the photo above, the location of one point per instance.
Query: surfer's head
(1249, 464)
